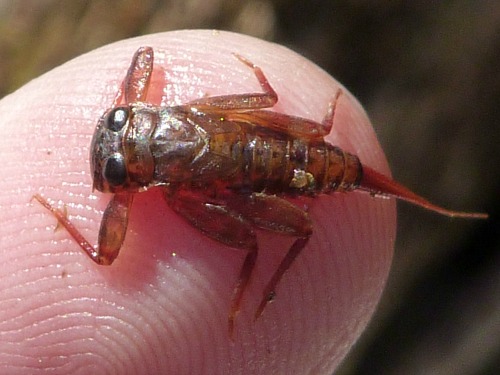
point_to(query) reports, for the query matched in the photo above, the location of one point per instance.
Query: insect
(226, 165)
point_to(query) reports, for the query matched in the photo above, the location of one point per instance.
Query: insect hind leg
(222, 224)
(276, 214)
(269, 292)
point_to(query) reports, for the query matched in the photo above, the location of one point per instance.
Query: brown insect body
(225, 164)
(181, 148)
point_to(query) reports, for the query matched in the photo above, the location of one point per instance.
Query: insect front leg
(112, 231)
(239, 102)
(222, 224)
(113, 228)
(134, 87)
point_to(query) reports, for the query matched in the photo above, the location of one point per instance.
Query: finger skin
(162, 306)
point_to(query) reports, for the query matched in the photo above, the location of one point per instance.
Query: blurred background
(429, 78)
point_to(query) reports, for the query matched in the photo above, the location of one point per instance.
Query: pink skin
(162, 306)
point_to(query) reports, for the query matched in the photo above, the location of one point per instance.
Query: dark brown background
(428, 76)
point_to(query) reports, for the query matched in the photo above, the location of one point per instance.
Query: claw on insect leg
(269, 291)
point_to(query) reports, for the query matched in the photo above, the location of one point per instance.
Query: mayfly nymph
(226, 164)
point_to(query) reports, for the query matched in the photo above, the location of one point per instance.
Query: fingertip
(323, 302)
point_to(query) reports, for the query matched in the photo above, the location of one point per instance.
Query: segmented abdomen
(294, 166)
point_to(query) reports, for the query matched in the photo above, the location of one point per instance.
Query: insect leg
(272, 213)
(113, 227)
(292, 125)
(265, 99)
(278, 215)
(269, 292)
(134, 87)
(112, 231)
(223, 225)
(327, 122)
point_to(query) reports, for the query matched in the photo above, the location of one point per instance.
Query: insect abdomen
(333, 169)
(289, 165)
(344, 170)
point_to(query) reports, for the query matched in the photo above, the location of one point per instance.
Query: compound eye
(115, 170)
(117, 118)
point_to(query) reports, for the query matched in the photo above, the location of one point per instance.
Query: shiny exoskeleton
(225, 164)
